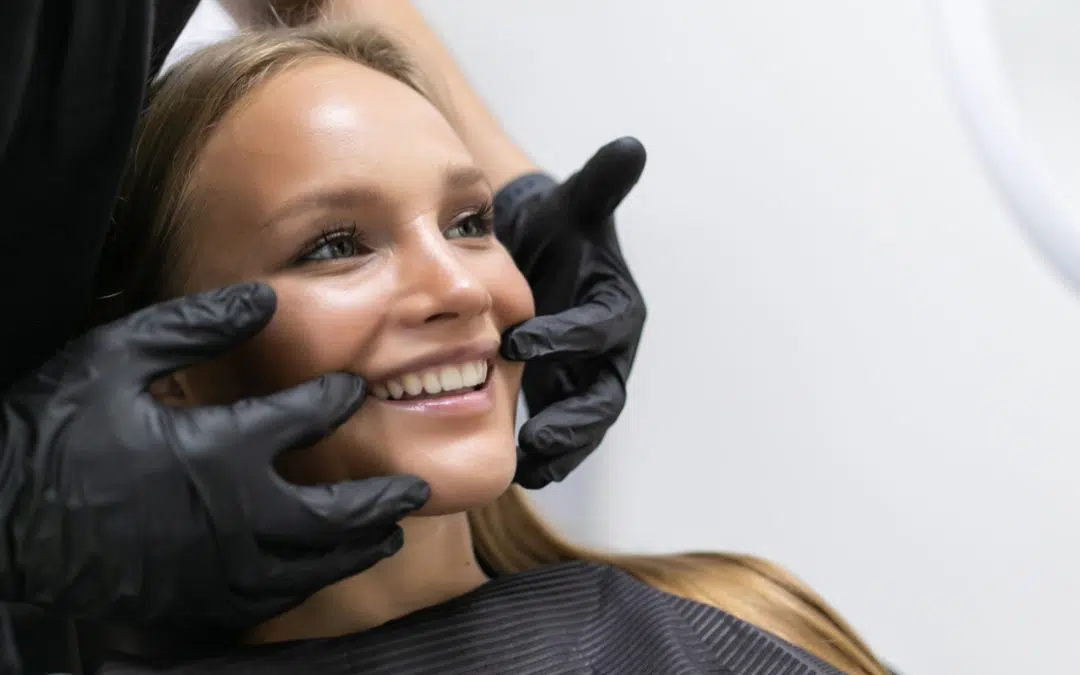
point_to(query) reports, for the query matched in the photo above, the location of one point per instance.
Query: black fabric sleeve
(72, 79)
(71, 98)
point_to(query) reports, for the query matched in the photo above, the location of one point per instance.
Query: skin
(402, 266)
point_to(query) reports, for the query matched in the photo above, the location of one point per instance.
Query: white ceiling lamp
(965, 32)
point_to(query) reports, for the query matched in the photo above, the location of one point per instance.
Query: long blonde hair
(141, 256)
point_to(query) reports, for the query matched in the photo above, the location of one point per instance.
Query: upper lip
(481, 350)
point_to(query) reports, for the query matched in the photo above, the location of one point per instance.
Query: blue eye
(472, 226)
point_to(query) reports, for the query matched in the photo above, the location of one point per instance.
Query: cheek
(319, 327)
(511, 297)
(511, 301)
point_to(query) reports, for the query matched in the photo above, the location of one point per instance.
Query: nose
(436, 283)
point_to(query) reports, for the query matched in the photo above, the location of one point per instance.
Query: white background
(854, 364)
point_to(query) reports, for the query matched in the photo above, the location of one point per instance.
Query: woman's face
(354, 198)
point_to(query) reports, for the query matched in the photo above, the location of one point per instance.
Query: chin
(466, 474)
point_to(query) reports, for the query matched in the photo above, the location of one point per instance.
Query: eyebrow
(462, 177)
(455, 178)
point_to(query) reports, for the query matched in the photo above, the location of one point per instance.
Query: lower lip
(466, 403)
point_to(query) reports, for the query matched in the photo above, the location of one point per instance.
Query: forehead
(328, 120)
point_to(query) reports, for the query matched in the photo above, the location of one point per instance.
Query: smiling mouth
(433, 383)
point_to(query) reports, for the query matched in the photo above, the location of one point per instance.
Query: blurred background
(855, 363)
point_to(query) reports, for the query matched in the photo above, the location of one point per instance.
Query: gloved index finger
(608, 319)
(322, 515)
(255, 431)
(181, 332)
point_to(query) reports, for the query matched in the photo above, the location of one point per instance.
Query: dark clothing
(574, 618)
(72, 78)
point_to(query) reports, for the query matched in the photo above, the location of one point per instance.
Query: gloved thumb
(603, 182)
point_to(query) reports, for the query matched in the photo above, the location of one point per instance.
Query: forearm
(500, 158)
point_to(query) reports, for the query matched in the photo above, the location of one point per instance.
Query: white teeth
(431, 383)
(443, 379)
(412, 384)
(450, 378)
(470, 375)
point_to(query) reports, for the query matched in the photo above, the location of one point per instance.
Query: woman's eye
(335, 247)
(470, 227)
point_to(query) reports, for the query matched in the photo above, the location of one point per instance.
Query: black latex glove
(115, 506)
(590, 315)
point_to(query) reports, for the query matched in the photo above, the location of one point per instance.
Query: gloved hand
(590, 315)
(115, 506)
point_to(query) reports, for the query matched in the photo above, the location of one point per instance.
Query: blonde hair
(157, 199)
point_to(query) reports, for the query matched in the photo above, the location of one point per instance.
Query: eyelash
(351, 234)
(336, 234)
(484, 213)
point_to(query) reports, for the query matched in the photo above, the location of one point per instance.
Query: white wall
(854, 363)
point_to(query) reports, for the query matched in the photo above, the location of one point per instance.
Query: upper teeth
(434, 381)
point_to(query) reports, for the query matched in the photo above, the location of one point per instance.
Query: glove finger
(600, 186)
(253, 432)
(323, 515)
(297, 577)
(181, 332)
(534, 473)
(610, 318)
(575, 423)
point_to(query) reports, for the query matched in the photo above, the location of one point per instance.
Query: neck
(436, 564)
